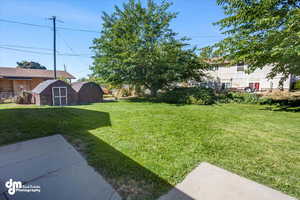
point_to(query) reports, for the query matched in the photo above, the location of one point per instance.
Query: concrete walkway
(56, 167)
(208, 182)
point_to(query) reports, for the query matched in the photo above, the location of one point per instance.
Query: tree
(138, 47)
(83, 79)
(30, 65)
(262, 32)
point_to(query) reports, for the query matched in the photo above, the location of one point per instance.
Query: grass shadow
(130, 178)
(282, 108)
(283, 105)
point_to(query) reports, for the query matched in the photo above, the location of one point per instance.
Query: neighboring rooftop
(217, 61)
(7, 72)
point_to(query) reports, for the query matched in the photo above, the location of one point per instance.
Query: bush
(297, 85)
(238, 97)
(280, 102)
(24, 98)
(199, 96)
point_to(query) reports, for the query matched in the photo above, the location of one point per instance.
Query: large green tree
(262, 32)
(30, 65)
(138, 47)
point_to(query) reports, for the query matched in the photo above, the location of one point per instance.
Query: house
(54, 93)
(15, 80)
(236, 77)
(88, 92)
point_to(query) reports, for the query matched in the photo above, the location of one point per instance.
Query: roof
(78, 85)
(32, 73)
(42, 86)
(217, 61)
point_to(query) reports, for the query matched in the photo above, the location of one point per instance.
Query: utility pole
(53, 18)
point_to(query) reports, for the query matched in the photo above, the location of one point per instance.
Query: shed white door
(59, 95)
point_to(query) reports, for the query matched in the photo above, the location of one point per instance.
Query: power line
(45, 26)
(40, 48)
(81, 30)
(72, 50)
(42, 53)
(23, 23)
(89, 30)
(26, 47)
(25, 51)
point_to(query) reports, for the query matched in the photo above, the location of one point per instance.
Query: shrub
(200, 96)
(24, 98)
(297, 85)
(280, 102)
(267, 101)
(238, 97)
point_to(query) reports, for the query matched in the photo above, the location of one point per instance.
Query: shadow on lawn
(284, 105)
(283, 108)
(129, 178)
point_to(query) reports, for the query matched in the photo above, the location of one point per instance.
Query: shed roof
(32, 73)
(78, 85)
(42, 86)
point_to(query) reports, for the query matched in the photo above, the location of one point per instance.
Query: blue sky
(194, 20)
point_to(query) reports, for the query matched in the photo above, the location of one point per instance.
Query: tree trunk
(153, 92)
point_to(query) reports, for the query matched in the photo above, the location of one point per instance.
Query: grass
(143, 149)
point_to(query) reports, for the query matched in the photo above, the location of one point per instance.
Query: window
(59, 95)
(240, 67)
(254, 86)
(226, 85)
(215, 68)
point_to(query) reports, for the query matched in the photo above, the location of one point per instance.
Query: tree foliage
(92, 78)
(138, 47)
(262, 32)
(30, 65)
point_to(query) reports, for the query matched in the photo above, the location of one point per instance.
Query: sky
(194, 20)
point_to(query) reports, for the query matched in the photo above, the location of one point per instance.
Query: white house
(236, 77)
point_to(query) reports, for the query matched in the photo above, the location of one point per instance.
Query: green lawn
(145, 148)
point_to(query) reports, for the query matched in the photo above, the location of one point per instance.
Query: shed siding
(90, 93)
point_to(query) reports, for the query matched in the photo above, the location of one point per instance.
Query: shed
(54, 92)
(88, 92)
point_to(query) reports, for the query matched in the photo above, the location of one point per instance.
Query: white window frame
(59, 95)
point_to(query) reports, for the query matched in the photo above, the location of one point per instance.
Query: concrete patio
(56, 167)
(208, 182)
